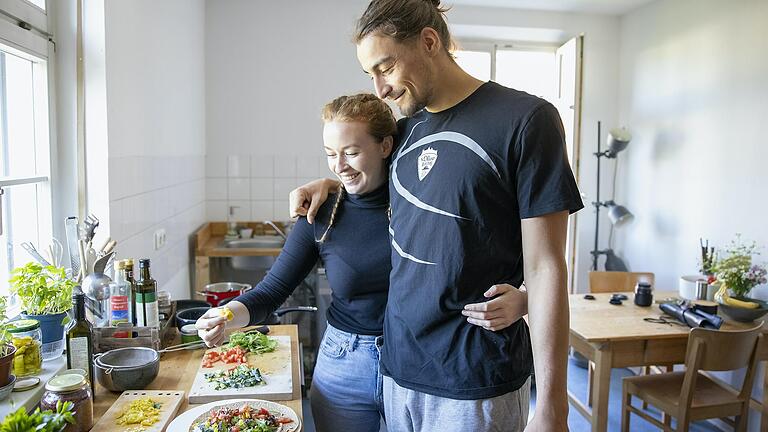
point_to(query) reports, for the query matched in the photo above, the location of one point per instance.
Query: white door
(568, 103)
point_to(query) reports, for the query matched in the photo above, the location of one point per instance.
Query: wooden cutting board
(275, 368)
(170, 400)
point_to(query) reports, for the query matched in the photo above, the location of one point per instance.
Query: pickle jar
(27, 337)
(71, 387)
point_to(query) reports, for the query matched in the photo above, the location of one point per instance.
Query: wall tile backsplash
(257, 185)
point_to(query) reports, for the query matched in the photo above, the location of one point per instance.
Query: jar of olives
(27, 337)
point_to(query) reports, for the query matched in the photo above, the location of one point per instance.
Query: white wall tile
(239, 166)
(262, 166)
(239, 189)
(116, 220)
(283, 187)
(215, 188)
(216, 166)
(262, 189)
(242, 210)
(285, 167)
(322, 167)
(280, 212)
(307, 166)
(301, 181)
(216, 211)
(261, 210)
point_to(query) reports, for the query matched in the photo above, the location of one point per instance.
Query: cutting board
(275, 368)
(170, 400)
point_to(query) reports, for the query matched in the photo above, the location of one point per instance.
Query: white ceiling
(608, 7)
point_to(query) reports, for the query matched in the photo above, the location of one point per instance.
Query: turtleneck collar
(376, 198)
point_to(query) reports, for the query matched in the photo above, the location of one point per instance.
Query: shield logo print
(427, 160)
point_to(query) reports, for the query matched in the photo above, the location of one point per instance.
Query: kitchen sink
(259, 242)
(255, 263)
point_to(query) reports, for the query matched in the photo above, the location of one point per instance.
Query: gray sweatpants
(412, 411)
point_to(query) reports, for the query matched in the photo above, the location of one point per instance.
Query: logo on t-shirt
(427, 160)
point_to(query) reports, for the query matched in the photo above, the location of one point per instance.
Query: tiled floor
(577, 383)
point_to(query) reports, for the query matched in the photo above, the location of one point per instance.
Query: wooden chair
(691, 395)
(615, 282)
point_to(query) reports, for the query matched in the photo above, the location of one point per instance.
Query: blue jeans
(346, 392)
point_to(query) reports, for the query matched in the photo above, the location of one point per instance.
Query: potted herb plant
(7, 350)
(45, 293)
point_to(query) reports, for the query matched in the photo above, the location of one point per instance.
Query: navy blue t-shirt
(460, 182)
(357, 262)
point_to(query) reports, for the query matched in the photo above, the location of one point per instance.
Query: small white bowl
(246, 233)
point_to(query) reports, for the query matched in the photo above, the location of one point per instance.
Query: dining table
(618, 336)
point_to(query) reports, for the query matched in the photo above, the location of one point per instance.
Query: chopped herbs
(255, 342)
(238, 377)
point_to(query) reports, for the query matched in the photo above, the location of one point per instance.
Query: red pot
(217, 292)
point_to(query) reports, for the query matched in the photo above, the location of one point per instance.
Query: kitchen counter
(209, 240)
(209, 243)
(178, 370)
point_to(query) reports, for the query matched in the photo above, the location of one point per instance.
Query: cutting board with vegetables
(168, 400)
(243, 374)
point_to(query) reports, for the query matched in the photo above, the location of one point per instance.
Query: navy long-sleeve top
(356, 254)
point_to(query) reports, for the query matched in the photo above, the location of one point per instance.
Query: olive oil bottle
(80, 338)
(147, 309)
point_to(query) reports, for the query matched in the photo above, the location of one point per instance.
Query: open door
(568, 103)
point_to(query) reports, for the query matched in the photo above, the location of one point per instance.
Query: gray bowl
(744, 314)
(130, 368)
(8, 388)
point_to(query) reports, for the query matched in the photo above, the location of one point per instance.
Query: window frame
(24, 33)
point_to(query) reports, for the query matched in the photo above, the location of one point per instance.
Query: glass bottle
(120, 300)
(147, 311)
(128, 264)
(80, 338)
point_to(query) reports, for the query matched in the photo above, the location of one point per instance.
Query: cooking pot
(216, 292)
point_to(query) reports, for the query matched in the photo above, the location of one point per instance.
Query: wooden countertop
(178, 370)
(210, 238)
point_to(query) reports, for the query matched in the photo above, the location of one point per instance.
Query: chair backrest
(721, 350)
(615, 281)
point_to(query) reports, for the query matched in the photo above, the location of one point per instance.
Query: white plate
(184, 422)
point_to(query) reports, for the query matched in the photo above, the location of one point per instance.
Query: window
(530, 69)
(25, 198)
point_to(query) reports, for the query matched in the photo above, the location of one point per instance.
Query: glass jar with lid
(27, 337)
(71, 387)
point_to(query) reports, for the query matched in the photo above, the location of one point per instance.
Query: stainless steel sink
(257, 263)
(258, 242)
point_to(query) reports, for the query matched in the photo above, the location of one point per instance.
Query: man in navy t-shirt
(480, 191)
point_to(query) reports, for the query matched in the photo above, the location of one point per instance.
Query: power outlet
(159, 238)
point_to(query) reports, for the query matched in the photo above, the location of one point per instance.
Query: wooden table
(178, 370)
(616, 336)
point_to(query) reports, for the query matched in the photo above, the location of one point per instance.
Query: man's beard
(412, 107)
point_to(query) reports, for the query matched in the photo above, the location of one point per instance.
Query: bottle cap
(144, 262)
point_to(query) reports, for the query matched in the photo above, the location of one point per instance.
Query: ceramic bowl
(744, 314)
(8, 388)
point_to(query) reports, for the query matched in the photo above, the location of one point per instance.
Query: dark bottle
(80, 338)
(147, 310)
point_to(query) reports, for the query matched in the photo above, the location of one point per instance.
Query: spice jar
(27, 337)
(73, 388)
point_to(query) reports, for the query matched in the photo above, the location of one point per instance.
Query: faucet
(279, 231)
